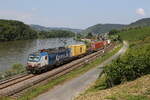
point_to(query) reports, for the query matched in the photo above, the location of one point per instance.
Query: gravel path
(77, 85)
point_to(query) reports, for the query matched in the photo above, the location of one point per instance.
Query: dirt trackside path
(77, 85)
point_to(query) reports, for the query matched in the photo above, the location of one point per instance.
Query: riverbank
(12, 72)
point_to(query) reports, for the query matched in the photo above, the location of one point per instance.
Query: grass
(128, 97)
(14, 70)
(41, 89)
(5, 98)
(138, 97)
(100, 84)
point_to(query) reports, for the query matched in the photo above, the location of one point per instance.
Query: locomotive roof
(76, 44)
(51, 50)
(55, 50)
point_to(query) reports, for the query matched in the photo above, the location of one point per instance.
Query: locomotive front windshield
(34, 58)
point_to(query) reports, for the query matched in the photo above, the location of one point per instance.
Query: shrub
(16, 69)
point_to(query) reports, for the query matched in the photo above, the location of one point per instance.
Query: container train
(47, 59)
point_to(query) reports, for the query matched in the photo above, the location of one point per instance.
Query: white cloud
(34, 9)
(140, 11)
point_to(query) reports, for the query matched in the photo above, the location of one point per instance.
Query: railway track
(17, 87)
(3, 81)
(16, 80)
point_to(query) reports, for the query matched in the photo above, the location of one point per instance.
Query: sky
(74, 13)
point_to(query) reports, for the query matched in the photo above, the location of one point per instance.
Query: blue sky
(74, 13)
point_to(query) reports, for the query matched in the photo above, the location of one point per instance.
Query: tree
(89, 35)
(112, 32)
(15, 30)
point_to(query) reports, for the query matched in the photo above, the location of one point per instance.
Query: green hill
(102, 28)
(141, 22)
(15, 30)
(135, 34)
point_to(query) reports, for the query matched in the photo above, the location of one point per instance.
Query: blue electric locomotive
(47, 59)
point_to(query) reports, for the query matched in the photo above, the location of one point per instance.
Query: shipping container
(78, 49)
(58, 56)
(97, 45)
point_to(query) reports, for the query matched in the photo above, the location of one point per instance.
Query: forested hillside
(102, 28)
(141, 22)
(15, 30)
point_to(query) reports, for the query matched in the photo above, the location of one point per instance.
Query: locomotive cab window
(34, 58)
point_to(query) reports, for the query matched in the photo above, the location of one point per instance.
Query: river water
(13, 52)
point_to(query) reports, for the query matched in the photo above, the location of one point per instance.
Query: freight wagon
(97, 45)
(78, 49)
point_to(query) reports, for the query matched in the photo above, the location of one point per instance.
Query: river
(13, 52)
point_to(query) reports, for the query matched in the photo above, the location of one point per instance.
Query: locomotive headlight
(38, 64)
(28, 64)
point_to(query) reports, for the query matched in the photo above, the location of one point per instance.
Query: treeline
(55, 33)
(16, 30)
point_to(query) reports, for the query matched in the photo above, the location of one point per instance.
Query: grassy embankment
(133, 90)
(41, 89)
(129, 74)
(14, 70)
